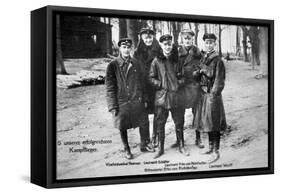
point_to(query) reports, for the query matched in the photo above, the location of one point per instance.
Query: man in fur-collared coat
(165, 76)
(126, 97)
(210, 115)
(147, 49)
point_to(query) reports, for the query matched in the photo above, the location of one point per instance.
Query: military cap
(146, 31)
(187, 32)
(125, 41)
(209, 36)
(165, 37)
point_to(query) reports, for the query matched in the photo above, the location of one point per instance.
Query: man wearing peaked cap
(146, 50)
(187, 32)
(165, 37)
(209, 36)
(166, 77)
(210, 115)
(189, 60)
(125, 41)
(146, 31)
(125, 96)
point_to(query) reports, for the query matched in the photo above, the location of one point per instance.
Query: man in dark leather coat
(164, 76)
(210, 115)
(126, 97)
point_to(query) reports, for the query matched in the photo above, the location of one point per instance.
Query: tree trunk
(189, 24)
(205, 29)
(60, 68)
(154, 25)
(263, 50)
(244, 42)
(132, 31)
(220, 30)
(238, 48)
(176, 31)
(122, 28)
(196, 29)
(253, 34)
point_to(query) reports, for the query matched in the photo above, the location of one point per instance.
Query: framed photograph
(126, 96)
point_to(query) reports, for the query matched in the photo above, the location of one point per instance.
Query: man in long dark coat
(189, 60)
(147, 49)
(210, 115)
(164, 76)
(125, 96)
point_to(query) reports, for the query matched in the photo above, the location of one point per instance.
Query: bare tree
(176, 30)
(253, 35)
(60, 68)
(189, 24)
(196, 31)
(122, 28)
(263, 50)
(244, 42)
(205, 29)
(238, 48)
(132, 30)
(220, 31)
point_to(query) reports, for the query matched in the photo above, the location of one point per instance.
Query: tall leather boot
(155, 138)
(144, 138)
(198, 141)
(180, 137)
(124, 138)
(161, 136)
(216, 153)
(176, 144)
(211, 143)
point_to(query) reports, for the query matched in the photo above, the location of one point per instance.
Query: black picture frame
(43, 98)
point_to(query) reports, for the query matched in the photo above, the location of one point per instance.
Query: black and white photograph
(138, 96)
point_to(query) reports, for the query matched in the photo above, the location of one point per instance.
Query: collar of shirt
(121, 61)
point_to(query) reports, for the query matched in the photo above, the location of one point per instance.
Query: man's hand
(114, 112)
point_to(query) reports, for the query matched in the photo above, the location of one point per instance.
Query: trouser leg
(178, 117)
(217, 141)
(198, 141)
(216, 144)
(211, 143)
(124, 139)
(155, 141)
(161, 118)
(144, 136)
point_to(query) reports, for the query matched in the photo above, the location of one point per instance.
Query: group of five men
(160, 78)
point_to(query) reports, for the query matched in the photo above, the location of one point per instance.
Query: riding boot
(144, 138)
(216, 154)
(155, 138)
(161, 139)
(211, 143)
(180, 137)
(124, 138)
(198, 141)
(176, 144)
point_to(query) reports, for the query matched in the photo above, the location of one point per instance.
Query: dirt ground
(82, 115)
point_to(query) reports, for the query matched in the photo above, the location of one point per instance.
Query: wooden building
(85, 37)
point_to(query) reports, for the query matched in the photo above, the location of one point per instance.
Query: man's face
(187, 40)
(210, 45)
(167, 46)
(147, 39)
(125, 50)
